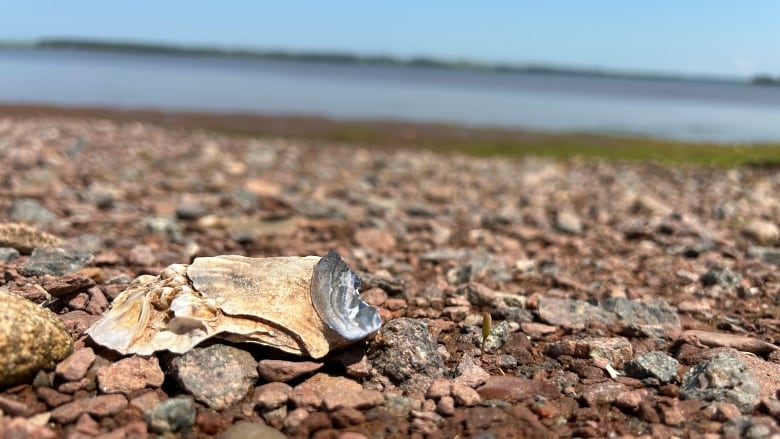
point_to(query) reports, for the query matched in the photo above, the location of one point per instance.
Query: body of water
(708, 111)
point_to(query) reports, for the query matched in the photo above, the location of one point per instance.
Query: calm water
(713, 111)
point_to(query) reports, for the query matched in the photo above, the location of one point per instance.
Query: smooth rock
(514, 389)
(567, 221)
(465, 395)
(446, 406)
(217, 375)
(354, 399)
(25, 238)
(76, 365)
(56, 261)
(99, 406)
(347, 417)
(130, 374)
(469, 373)
(173, 415)
(31, 339)
(163, 226)
(762, 231)
(251, 430)
(381, 240)
(440, 387)
(21, 428)
(406, 352)
(27, 210)
(603, 393)
(190, 210)
(142, 255)
(568, 312)
(283, 371)
(723, 378)
(656, 365)
(272, 395)
(310, 393)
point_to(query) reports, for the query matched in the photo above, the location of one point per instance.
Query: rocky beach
(626, 299)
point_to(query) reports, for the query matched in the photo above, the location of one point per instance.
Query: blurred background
(701, 71)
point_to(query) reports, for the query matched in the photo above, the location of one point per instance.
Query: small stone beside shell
(31, 338)
(301, 305)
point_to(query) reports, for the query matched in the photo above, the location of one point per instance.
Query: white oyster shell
(301, 305)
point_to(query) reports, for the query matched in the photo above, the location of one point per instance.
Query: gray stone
(720, 276)
(406, 352)
(499, 334)
(656, 365)
(567, 221)
(8, 254)
(56, 261)
(173, 415)
(31, 339)
(768, 255)
(723, 378)
(217, 375)
(650, 313)
(27, 210)
(747, 427)
(569, 312)
(251, 430)
(164, 226)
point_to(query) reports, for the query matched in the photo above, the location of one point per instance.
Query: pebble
(616, 350)
(21, 428)
(85, 424)
(76, 365)
(130, 374)
(310, 393)
(56, 261)
(469, 373)
(218, 375)
(67, 284)
(351, 398)
(27, 210)
(446, 406)
(31, 339)
(567, 221)
(25, 238)
(440, 387)
(99, 406)
(499, 334)
(656, 365)
(142, 255)
(8, 254)
(769, 255)
(568, 312)
(515, 389)
(407, 353)
(651, 313)
(465, 395)
(723, 378)
(603, 393)
(191, 210)
(283, 370)
(720, 276)
(347, 417)
(762, 231)
(272, 395)
(77, 322)
(164, 226)
(173, 415)
(379, 239)
(13, 407)
(251, 430)
(51, 397)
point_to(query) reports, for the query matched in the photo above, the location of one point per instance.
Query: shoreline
(437, 137)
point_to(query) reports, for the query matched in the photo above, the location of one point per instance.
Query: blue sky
(724, 38)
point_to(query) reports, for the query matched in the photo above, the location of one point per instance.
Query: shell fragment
(301, 305)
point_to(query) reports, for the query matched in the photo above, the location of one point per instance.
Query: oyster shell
(301, 305)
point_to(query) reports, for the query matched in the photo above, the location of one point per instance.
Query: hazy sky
(708, 37)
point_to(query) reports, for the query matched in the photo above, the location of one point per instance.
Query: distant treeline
(347, 58)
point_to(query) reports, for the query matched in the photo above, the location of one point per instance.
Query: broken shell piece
(301, 305)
